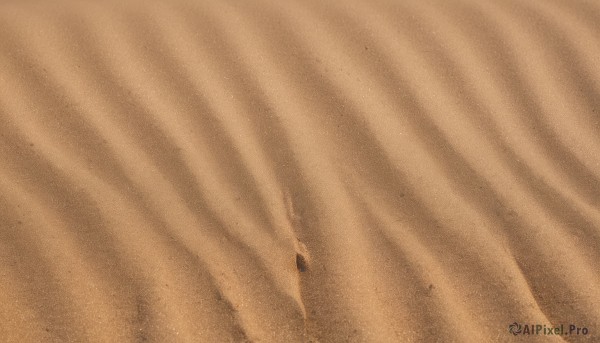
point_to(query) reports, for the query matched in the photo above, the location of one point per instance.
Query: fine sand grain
(299, 170)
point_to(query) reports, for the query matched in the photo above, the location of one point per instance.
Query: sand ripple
(279, 171)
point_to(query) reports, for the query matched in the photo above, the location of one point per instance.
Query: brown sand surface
(299, 170)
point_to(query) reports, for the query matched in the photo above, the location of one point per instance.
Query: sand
(299, 170)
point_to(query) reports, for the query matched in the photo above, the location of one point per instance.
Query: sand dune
(299, 171)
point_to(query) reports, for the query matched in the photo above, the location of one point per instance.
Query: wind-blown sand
(289, 171)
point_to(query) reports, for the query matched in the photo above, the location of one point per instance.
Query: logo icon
(515, 328)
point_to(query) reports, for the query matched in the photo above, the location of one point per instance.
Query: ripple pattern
(298, 171)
